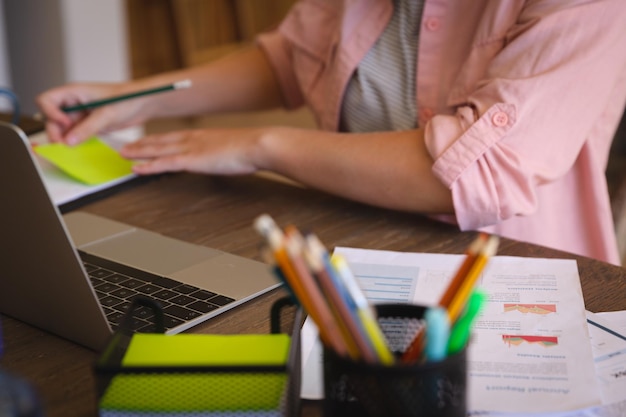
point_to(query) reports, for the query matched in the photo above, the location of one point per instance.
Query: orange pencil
(462, 295)
(459, 289)
(275, 238)
(459, 277)
(314, 255)
(416, 349)
(311, 294)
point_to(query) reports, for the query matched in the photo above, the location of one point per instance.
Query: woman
(495, 115)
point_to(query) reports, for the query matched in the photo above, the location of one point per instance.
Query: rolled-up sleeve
(529, 108)
(300, 49)
(278, 51)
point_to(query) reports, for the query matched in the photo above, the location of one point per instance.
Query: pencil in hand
(110, 100)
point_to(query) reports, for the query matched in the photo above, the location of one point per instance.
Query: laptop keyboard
(116, 286)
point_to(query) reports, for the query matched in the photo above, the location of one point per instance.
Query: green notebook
(176, 393)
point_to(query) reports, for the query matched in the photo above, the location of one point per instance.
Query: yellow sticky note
(149, 349)
(91, 162)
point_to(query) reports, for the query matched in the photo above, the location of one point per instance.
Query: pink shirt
(519, 101)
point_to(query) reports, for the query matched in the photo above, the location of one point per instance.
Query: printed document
(608, 344)
(530, 349)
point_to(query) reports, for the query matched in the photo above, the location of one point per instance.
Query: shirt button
(433, 24)
(500, 119)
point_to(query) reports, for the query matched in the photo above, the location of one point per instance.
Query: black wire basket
(261, 390)
(430, 389)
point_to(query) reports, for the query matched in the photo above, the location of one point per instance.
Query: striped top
(381, 93)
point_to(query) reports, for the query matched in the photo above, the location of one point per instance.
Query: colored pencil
(458, 291)
(467, 287)
(459, 277)
(365, 312)
(322, 312)
(338, 296)
(275, 239)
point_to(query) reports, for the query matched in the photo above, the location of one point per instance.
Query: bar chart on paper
(395, 284)
(541, 309)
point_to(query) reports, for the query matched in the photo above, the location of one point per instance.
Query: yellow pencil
(459, 289)
(454, 285)
(462, 295)
(275, 238)
(364, 311)
(314, 257)
(322, 311)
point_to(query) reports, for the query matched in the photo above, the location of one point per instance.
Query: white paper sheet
(608, 342)
(530, 350)
(63, 188)
(616, 318)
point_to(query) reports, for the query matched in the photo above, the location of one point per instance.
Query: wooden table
(218, 212)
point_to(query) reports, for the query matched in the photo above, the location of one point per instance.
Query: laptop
(76, 275)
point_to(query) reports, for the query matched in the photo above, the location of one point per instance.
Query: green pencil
(460, 332)
(98, 103)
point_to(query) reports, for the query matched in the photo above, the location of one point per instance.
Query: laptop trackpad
(150, 251)
(230, 275)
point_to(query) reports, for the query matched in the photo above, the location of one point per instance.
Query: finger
(174, 163)
(57, 127)
(155, 146)
(51, 104)
(162, 138)
(90, 125)
(53, 112)
(55, 132)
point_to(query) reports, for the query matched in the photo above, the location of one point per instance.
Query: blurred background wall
(44, 43)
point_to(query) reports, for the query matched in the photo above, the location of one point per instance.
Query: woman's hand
(207, 151)
(74, 127)
(387, 169)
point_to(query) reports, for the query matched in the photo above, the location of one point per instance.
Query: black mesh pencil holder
(424, 390)
(187, 390)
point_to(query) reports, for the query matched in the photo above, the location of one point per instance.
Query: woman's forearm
(241, 81)
(388, 169)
